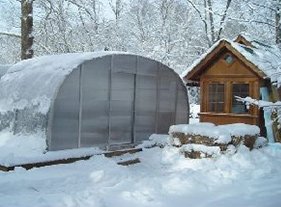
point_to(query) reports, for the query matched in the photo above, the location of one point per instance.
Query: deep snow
(163, 178)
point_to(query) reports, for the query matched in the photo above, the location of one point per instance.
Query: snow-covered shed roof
(263, 59)
(35, 81)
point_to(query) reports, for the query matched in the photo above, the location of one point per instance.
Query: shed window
(241, 90)
(216, 97)
(228, 58)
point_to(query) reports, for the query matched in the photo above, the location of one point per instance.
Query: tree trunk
(209, 10)
(26, 29)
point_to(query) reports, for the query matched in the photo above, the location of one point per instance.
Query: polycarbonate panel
(164, 79)
(147, 67)
(164, 122)
(165, 111)
(182, 105)
(146, 105)
(95, 102)
(124, 63)
(167, 96)
(65, 120)
(146, 82)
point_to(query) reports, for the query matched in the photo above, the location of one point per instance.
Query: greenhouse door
(121, 118)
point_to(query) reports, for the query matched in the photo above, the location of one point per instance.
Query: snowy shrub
(274, 108)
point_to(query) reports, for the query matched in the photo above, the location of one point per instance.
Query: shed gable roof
(263, 60)
(242, 39)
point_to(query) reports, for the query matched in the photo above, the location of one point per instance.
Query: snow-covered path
(163, 178)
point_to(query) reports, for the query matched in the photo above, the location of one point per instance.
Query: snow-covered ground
(163, 178)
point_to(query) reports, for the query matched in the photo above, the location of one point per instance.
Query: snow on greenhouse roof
(35, 81)
(265, 59)
(3, 69)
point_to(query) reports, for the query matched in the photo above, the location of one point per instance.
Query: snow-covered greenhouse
(106, 99)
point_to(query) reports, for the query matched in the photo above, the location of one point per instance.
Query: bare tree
(265, 18)
(89, 9)
(206, 14)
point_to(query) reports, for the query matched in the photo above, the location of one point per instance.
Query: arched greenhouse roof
(35, 81)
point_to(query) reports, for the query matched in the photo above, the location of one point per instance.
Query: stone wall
(197, 146)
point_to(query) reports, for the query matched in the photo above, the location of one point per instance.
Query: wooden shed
(234, 68)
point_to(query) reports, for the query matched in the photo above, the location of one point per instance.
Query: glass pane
(211, 107)
(220, 107)
(216, 97)
(219, 97)
(211, 98)
(220, 88)
(241, 90)
(228, 58)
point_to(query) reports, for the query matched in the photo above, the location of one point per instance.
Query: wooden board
(28, 166)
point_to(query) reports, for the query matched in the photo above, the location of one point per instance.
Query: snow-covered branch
(202, 19)
(19, 36)
(223, 19)
(259, 103)
(273, 108)
(10, 34)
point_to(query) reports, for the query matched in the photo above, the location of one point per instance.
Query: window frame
(228, 95)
